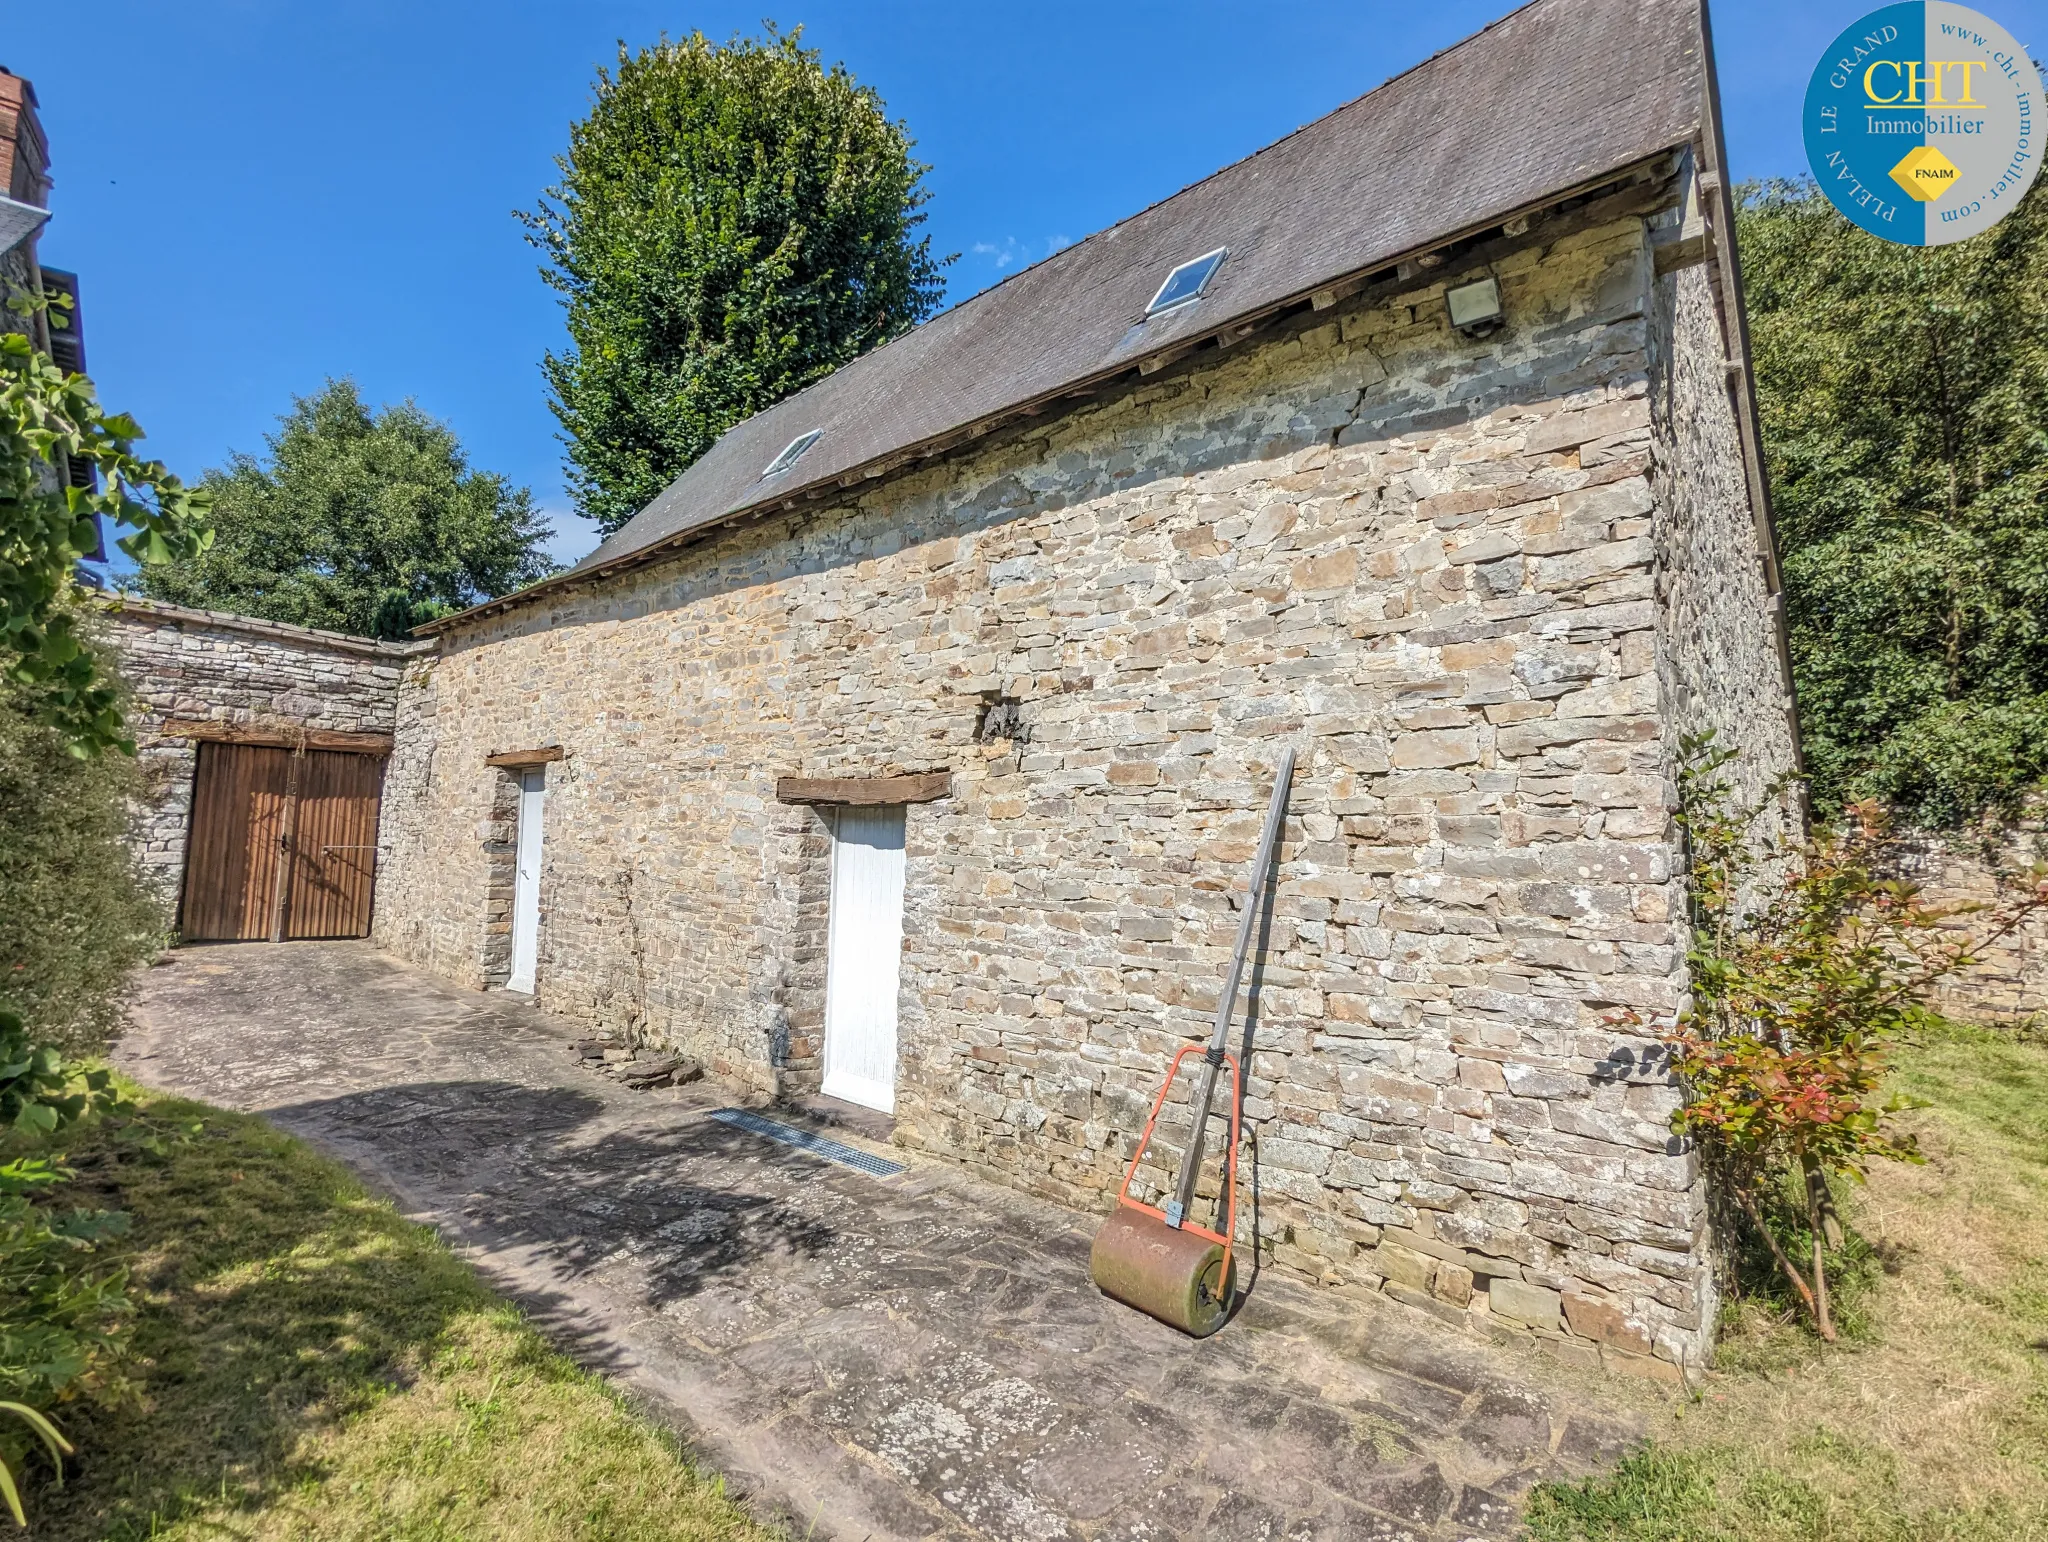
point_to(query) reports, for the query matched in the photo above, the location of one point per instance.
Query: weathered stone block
(1403, 1267)
(1524, 1303)
(1424, 1301)
(1485, 1075)
(1649, 1367)
(1591, 1318)
(1453, 1283)
(1146, 928)
(1565, 429)
(1435, 748)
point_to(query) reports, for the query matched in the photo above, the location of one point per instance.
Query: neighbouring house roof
(1552, 97)
(18, 221)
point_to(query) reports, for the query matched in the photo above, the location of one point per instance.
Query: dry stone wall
(1429, 562)
(1973, 875)
(207, 666)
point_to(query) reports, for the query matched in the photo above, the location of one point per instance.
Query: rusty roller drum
(1163, 1271)
(1160, 1261)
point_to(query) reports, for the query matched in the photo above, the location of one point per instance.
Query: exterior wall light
(1475, 307)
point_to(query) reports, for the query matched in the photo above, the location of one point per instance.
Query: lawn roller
(1160, 1261)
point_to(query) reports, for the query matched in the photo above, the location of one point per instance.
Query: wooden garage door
(282, 844)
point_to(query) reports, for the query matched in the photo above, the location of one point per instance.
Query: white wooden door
(864, 956)
(526, 882)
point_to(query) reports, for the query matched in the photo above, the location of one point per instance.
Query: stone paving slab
(920, 1356)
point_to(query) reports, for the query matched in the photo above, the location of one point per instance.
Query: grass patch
(312, 1366)
(1930, 1423)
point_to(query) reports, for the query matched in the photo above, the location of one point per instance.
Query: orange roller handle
(1123, 1196)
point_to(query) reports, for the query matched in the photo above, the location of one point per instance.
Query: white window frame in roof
(792, 452)
(1215, 261)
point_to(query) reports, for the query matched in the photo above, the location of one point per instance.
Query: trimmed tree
(360, 520)
(1904, 396)
(732, 224)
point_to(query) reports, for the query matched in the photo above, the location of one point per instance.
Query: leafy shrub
(49, 417)
(63, 1317)
(75, 915)
(1805, 966)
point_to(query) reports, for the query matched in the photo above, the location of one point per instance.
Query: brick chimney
(24, 152)
(25, 179)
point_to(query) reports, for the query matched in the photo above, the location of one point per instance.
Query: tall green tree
(1904, 397)
(732, 223)
(359, 520)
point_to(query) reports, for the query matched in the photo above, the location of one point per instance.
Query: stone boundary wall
(2010, 985)
(1431, 563)
(203, 665)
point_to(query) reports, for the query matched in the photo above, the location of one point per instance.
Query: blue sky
(259, 194)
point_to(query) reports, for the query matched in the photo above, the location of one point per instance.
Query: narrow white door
(526, 882)
(864, 956)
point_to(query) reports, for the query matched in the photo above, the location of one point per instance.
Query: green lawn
(312, 1366)
(1931, 1420)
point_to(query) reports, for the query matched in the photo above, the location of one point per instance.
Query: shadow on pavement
(538, 1171)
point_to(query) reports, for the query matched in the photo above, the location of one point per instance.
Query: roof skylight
(791, 453)
(1186, 282)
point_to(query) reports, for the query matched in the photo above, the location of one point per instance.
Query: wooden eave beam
(274, 736)
(864, 790)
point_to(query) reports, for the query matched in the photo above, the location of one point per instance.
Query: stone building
(216, 694)
(912, 743)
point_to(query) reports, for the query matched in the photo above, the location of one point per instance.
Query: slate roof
(1552, 97)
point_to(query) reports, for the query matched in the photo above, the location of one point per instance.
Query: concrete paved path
(919, 1356)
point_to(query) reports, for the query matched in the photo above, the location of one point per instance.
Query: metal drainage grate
(804, 1140)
